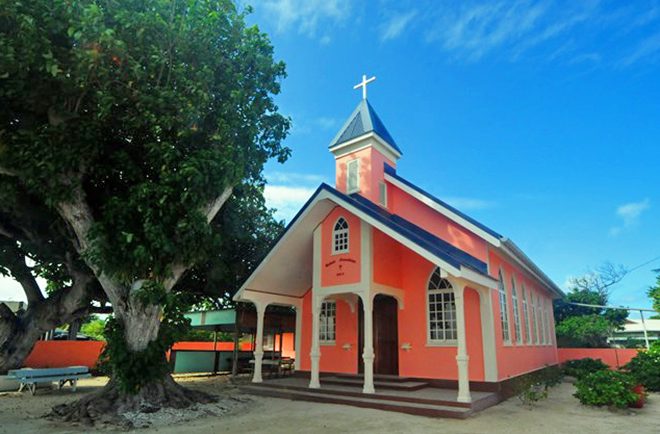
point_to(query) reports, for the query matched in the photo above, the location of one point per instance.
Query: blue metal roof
(363, 120)
(392, 172)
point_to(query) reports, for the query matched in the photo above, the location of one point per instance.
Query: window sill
(442, 344)
(328, 343)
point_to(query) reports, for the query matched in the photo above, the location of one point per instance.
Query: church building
(389, 281)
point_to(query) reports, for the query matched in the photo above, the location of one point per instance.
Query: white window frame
(342, 232)
(528, 329)
(504, 310)
(439, 296)
(516, 311)
(328, 322)
(355, 162)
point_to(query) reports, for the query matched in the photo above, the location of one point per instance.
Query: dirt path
(561, 413)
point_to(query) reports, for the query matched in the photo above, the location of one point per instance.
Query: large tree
(133, 121)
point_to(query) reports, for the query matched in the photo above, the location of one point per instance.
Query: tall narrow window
(504, 310)
(327, 319)
(551, 325)
(442, 310)
(383, 194)
(353, 176)
(534, 319)
(528, 330)
(516, 311)
(544, 329)
(340, 236)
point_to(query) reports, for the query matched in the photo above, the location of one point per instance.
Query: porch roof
(287, 268)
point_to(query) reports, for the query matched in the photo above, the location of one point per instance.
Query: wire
(642, 265)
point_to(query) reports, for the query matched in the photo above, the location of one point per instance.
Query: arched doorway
(386, 336)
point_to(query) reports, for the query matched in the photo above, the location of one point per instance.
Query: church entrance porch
(385, 335)
(399, 394)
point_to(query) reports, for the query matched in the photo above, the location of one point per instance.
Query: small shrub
(610, 388)
(580, 368)
(534, 387)
(645, 368)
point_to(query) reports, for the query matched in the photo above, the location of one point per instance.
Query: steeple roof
(363, 120)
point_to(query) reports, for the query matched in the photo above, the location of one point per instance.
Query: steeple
(361, 148)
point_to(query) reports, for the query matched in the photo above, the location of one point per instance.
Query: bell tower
(362, 148)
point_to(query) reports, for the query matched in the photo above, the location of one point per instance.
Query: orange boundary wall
(613, 357)
(58, 354)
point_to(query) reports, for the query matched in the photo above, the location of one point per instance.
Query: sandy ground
(560, 413)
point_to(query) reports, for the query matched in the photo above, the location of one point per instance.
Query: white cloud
(629, 213)
(287, 200)
(648, 48)
(306, 16)
(289, 178)
(10, 290)
(396, 25)
(468, 203)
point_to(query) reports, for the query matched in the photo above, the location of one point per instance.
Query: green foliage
(132, 369)
(583, 367)
(645, 368)
(654, 292)
(196, 335)
(155, 108)
(610, 388)
(590, 331)
(94, 327)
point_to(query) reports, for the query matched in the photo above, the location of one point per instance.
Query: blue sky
(540, 119)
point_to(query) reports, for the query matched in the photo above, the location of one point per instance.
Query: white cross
(363, 85)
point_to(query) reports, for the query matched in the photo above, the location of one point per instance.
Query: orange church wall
(430, 220)
(425, 361)
(515, 359)
(371, 172)
(334, 358)
(387, 259)
(343, 268)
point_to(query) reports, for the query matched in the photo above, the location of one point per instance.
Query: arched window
(442, 309)
(534, 319)
(528, 330)
(516, 311)
(504, 310)
(340, 236)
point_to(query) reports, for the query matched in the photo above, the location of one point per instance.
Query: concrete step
(378, 383)
(380, 394)
(424, 409)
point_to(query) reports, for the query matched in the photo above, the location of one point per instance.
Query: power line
(642, 265)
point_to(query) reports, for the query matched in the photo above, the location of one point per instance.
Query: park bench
(29, 378)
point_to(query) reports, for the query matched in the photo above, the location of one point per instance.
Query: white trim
(464, 272)
(356, 162)
(356, 144)
(504, 309)
(442, 210)
(517, 328)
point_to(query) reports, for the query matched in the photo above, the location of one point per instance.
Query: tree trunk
(141, 326)
(74, 328)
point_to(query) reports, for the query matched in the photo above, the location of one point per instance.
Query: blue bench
(29, 378)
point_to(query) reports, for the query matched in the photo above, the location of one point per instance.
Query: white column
(462, 357)
(259, 343)
(298, 337)
(315, 353)
(488, 333)
(368, 351)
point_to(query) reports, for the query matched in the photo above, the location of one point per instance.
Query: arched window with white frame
(534, 319)
(340, 236)
(504, 310)
(441, 310)
(516, 311)
(528, 330)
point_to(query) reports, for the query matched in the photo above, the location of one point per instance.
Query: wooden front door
(386, 339)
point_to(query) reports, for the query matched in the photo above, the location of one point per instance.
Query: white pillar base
(368, 359)
(314, 379)
(258, 357)
(463, 379)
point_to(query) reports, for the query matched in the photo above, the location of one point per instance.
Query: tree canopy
(132, 123)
